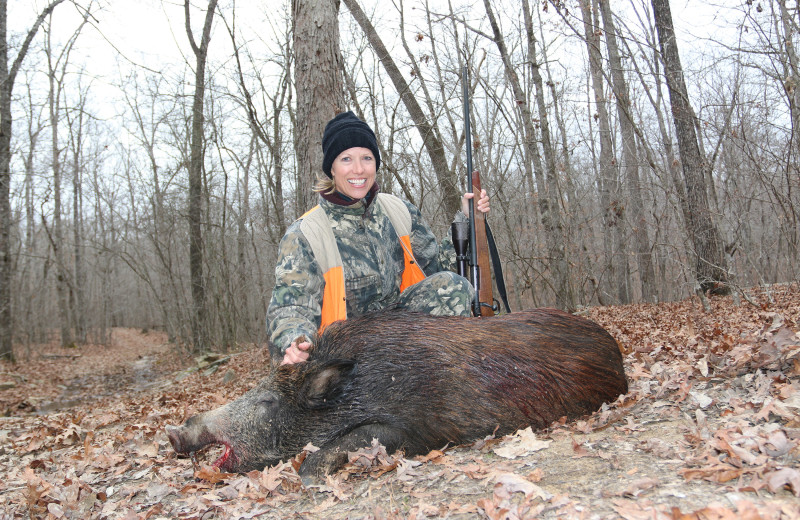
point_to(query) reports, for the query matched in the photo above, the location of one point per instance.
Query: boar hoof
(322, 462)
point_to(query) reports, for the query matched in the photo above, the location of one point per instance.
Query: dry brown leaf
(433, 455)
(720, 473)
(461, 509)
(637, 487)
(789, 477)
(272, 477)
(211, 474)
(777, 445)
(506, 484)
(493, 510)
(536, 475)
(521, 444)
(335, 486)
(579, 451)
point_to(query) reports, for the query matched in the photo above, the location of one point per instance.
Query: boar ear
(328, 383)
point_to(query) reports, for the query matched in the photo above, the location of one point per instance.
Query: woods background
(154, 193)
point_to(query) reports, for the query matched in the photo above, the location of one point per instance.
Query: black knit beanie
(347, 131)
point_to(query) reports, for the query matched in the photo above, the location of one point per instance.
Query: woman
(358, 250)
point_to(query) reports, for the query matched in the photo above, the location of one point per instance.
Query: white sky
(151, 32)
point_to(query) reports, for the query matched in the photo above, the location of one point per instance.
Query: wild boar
(415, 382)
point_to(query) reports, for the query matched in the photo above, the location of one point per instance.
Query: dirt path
(709, 429)
(58, 379)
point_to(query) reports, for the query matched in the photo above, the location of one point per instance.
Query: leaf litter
(709, 429)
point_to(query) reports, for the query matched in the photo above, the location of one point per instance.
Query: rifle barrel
(473, 259)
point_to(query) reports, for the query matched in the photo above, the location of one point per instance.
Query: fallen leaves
(501, 505)
(373, 460)
(710, 429)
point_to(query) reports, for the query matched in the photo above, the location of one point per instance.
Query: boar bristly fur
(415, 382)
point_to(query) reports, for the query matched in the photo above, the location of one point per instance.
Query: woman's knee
(452, 281)
(441, 294)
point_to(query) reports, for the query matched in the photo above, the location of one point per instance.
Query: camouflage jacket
(372, 258)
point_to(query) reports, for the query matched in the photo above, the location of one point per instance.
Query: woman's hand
(482, 205)
(297, 352)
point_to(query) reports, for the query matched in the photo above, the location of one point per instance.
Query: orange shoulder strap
(400, 218)
(317, 229)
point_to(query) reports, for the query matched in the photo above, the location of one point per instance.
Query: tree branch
(12, 73)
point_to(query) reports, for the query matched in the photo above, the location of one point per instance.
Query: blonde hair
(324, 185)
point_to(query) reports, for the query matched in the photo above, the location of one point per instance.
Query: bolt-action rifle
(470, 239)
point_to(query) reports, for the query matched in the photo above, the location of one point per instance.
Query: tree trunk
(30, 293)
(319, 85)
(791, 72)
(200, 338)
(546, 202)
(57, 238)
(608, 179)
(670, 165)
(65, 280)
(630, 162)
(710, 263)
(243, 271)
(6, 319)
(78, 307)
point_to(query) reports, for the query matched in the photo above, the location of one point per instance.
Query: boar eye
(268, 404)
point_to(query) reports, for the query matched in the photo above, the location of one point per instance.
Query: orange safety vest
(317, 229)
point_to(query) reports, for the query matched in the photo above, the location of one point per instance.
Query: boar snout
(175, 438)
(198, 433)
(193, 435)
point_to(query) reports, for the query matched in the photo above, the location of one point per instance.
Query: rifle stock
(485, 296)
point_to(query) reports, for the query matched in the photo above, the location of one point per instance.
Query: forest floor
(710, 429)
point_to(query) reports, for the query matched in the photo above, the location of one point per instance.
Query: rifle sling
(497, 267)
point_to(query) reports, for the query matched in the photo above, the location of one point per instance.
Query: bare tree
(608, 179)
(150, 116)
(709, 255)
(30, 291)
(630, 161)
(77, 120)
(791, 72)
(547, 180)
(790, 77)
(266, 127)
(196, 197)
(431, 136)
(57, 235)
(57, 72)
(665, 164)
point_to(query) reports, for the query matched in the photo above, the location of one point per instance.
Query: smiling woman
(351, 156)
(358, 250)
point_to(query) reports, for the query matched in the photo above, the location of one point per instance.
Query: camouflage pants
(440, 294)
